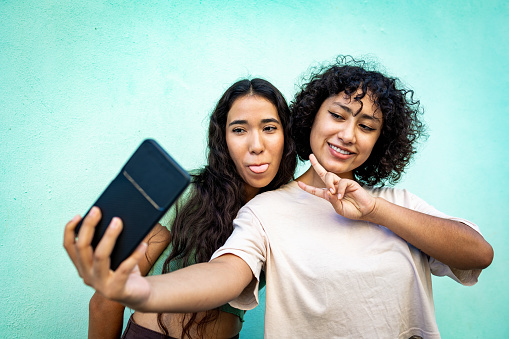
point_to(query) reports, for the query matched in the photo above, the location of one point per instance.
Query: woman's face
(255, 140)
(342, 137)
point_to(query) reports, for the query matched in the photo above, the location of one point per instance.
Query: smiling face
(342, 137)
(255, 141)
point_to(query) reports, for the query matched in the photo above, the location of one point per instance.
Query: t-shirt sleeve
(464, 277)
(248, 242)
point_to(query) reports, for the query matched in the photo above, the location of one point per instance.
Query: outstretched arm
(192, 289)
(451, 242)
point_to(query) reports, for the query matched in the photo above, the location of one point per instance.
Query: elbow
(486, 256)
(478, 256)
(100, 305)
(482, 257)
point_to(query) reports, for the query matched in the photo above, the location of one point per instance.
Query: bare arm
(195, 288)
(453, 243)
(199, 287)
(105, 317)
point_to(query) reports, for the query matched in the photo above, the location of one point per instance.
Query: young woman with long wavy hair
(249, 151)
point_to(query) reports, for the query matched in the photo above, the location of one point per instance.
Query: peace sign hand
(347, 197)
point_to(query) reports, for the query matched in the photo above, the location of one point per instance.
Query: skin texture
(451, 242)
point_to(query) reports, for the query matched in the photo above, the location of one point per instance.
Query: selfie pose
(343, 256)
(248, 138)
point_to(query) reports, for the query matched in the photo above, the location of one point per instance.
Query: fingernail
(114, 223)
(93, 211)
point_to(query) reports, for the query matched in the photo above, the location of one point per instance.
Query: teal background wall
(82, 83)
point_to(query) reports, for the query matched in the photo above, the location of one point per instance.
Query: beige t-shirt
(331, 277)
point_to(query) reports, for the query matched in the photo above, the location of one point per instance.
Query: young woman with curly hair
(400, 131)
(250, 151)
(343, 256)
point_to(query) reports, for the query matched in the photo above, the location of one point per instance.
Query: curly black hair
(401, 127)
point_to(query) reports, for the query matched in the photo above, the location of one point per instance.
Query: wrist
(374, 211)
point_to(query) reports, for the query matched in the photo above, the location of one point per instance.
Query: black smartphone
(140, 195)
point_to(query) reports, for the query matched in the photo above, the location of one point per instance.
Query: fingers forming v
(331, 180)
(317, 167)
(342, 187)
(319, 192)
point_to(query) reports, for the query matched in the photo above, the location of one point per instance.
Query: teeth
(339, 150)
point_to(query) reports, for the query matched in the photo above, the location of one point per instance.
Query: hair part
(401, 113)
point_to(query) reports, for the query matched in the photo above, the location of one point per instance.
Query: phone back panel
(140, 195)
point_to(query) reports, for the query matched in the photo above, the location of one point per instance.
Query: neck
(250, 192)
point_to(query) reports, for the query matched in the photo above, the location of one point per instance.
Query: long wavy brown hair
(205, 221)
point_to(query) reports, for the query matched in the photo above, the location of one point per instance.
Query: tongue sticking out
(259, 169)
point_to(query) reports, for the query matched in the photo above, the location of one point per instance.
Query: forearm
(451, 242)
(198, 287)
(105, 318)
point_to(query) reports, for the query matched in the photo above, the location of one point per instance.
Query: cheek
(317, 134)
(313, 140)
(277, 146)
(233, 150)
(368, 149)
(236, 157)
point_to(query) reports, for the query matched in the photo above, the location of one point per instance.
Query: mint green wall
(82, 83)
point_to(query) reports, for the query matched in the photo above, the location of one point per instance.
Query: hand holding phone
(126, 284)
(141, 193)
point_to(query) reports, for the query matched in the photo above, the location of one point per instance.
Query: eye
(238, 130)
(269, 128)
(366, 128)
(336, 116)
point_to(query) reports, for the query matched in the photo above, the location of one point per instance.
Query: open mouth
(259, 168)
(339, 150)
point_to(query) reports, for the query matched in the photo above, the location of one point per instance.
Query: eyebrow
(349, 110)
(244, 122)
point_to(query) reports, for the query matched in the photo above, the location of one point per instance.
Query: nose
(346, 132)
(256, 144)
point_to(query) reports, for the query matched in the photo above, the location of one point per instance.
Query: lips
(340, 150)
(259, 168)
